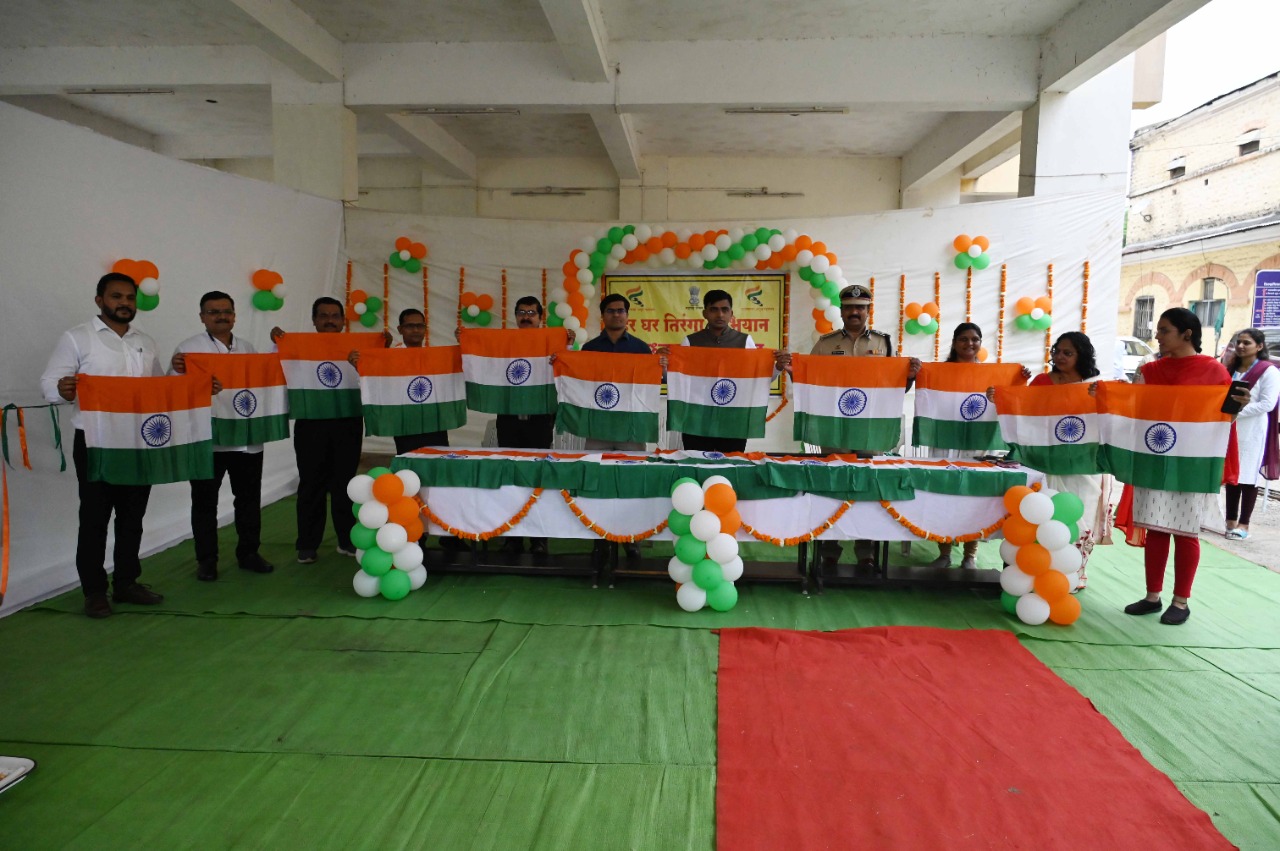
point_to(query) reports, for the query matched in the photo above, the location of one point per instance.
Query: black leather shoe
(96, 606)
(307, 556)
(1176, 615)
(138, 594)
(207, 571)
(256, 564)
(1144, 607)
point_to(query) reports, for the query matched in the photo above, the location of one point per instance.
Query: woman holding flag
(1255, 427)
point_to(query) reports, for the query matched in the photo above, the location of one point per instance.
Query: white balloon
(365, 585)
(925, 321)
(1074, 578)
(359, 555)
(690, 597)
(710, 253)
(373, 514)
(582, 259)
(834, 273)
(360, 308)
(790, 235)
(279, 290)
(653, 261)
(629, 242)
(1049, 492)
(723, 242)
(617, 252)
(573, 323)
(822, 302)
(1037, 313)
(1053, 535)
(763, 252)
(732, 569)
(472, 309)
(1032, 609)
(735, 235)
(611, 263)
(704, 525)
(587, 245)
(804, 257)
(417, 577)
(667, 256)
(360, 489)
(683, 234)
(1036, 508)
(820, 263)
(643, 233)
(679, 572)
(587, 290)
(777, 242)
(585, 276)
(1014, 581)
(563, 310)
(412, 483)
(832, 314)
(405, 254)
(1065, 560)
(687, 498)
(1008, 552)
(392, 537)
(149, 286)
(716, 480)
(722, 549)
(975, 250)
(559, 294)
(407, 557)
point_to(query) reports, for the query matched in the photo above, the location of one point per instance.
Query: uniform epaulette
(835, 333)
(877, 333)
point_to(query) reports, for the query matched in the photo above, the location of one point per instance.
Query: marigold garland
(426, 307)
(1048, 332)
(504, 298)
(609, 536)
(1004, 282)
(968, 295)
(941, 539)
(871, 309)
(1084, 300)
(937, 299)
(492, 533)
(902, 309)
(778, 409)
(799, 539)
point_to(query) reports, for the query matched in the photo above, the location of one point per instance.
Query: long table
(784, 500)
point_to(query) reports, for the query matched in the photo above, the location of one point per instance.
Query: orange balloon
(776, 260)
(125, 266)
(761, 265)
(1034, 559)
(730, 522)
(818, 248)
(803, 241)
(402, 243)
(1018, 531)
(824, 327)
(569, 269)
(719, 498)
(913, 310)
(404, 511)
(1013, 498)
(1024, 305)
(654, 244)
(1053, 585)
(415, 530)
(484, 302)
(576, 300)
(1064, 610)
(962, 243)
(581, 313)
(669, 239)
(683, 250)
(930, 308)
(697, 241)
(818, 314)
(1045, 303)
(710, 236)
(982, 242)
(351, 313)
(983, 354)
(418, 250)
(788, 253)
(147, 269)
(572, 285)
(641, 253)
(835, 261)
(388, 488)
(358, 296)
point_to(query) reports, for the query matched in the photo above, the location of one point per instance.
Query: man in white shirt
(241, 464)
(105, 345)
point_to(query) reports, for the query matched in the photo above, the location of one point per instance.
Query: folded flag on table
(1050, 428)
(253, 406)
(412, 391)
(509, 371)
(608, 396)
(147, 431)
(1163, 438)
(849, 403)
(952, 409)
(323, 385)
(718, 392)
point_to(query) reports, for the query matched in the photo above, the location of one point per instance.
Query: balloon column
(1043, 564)
(1033, 314)
(146, 276)
(706, 564)
(408, 255)
(475, 309)
(971, 252)
(269, 290)
(386, 535)
(363, 308)
(922, 318)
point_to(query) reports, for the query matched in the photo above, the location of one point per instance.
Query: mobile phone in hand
(1230, 405)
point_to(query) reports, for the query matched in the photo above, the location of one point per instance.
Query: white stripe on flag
(269, 401)
(507, 372)
(1054, 430)
(320, 375)
(1165, 439)
(851, 402)
(412, 389)
(718, 392)
(106, 430)
(611, 396)
(956, 407)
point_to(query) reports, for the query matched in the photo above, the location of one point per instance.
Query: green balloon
(818, 279)
(982, 261)
(963, 261)
(723, 597)
(368, 319)
(832, 291)
(1067, 507)
(364, 538)
(680, 481)
(1024, 322)
(690, 550)
(355, 511)
(708, 264)
(750, 242)
(1044, 323)
(707, 574)
(413, 264)
(378, 471)
(911, 326)
(376, 561)
(395, 585)
(925, 322)
(395, 260)
(596, 263)
(736, 251)
(373, 303)
(805, 273)
(762, 235)
(554, 321)
(627, 230)
(151, 302)
(678, 523)
(723, 260)
(615, 234)
(1008, 602)
(277, 302)
(262, 299)
(1073, 532)
(484, 319)
(604, 245)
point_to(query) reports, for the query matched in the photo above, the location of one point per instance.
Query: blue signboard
(1266, 299)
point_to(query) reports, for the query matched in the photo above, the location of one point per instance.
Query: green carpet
(501, 711)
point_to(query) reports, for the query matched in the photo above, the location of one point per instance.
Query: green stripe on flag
(398, 420)
(323, 404)
(1195, 475)
(490, 399)
(1065, 459)
(182, 463)
(245, 431)
(950, 434)
(625, 426)
(869, 434)
(710, 421)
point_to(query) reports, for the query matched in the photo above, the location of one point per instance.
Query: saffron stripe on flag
(142, 395)
(720, 363)
(597, 367)
(238, 370)
(836, 371)
(430, 360)
(967, 377)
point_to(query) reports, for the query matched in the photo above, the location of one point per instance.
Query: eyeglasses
(231, 312)
(526, 313)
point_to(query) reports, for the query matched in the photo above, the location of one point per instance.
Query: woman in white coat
(1255, 427)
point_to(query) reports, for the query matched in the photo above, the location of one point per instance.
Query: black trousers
(533, 432)
(328, 453)
(97, 501)
(244, 469)
(409, 442)
(698, 443)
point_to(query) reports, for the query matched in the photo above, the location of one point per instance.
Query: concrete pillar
(313, 138)
(1078, 141)
(942, 192)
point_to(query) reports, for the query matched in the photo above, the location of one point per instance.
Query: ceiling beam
(1096, 34)
(428, 141)
(956, 139)
(292, 37)
(579, 30)
(61, 109)
(204, 146)
(994, 155)
(53, 70)
(619, 140)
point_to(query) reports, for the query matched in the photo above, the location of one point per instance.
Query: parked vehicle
(1129, 353)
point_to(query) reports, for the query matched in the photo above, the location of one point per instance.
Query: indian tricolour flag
(253, 406)
(509, 371)
(1051, 428)
(718, 392)
(608, 396)
(1164, 438)
(849, 403)
(412, 391)
(952, 409)
(147, 431)
(323, 385)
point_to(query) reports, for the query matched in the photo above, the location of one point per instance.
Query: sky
(1221, 47)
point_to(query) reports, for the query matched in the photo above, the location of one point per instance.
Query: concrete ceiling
(932, 81)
